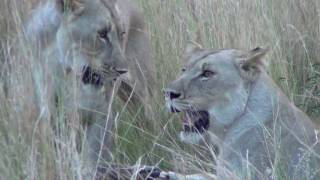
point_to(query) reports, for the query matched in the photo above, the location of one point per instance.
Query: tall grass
(38, 144)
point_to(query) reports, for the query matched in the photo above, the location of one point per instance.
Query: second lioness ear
(254, 59)
(74, 6)
(112, 7)
(194, 44)
(113, 2)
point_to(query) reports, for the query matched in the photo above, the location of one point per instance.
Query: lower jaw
(190, 137)
(199, 119)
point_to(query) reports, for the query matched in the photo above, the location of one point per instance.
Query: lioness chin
(89, 45)
(228, 99)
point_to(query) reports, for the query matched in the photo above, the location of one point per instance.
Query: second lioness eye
(122, 33)
(207, 73)
(103, 33)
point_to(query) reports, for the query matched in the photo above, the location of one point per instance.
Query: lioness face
(89, 37)
(209, 82)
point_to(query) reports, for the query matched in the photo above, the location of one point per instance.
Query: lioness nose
(172, 94)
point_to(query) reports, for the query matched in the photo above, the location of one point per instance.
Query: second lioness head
(90, 35)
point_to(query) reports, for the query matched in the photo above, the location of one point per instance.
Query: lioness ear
(74, 6)
(113, 2)
(254, 59)
(115, 11)
(110, 4)
(196, 45)
(253, 62)
(192, 47)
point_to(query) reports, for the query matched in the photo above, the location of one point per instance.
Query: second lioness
(87, 45)
(228, 98)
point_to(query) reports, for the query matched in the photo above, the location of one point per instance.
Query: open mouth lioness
(228, 100)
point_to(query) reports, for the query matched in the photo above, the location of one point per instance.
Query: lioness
(60, 23)
(227, 98)
(92, 43)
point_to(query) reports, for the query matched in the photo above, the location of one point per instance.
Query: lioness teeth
(195, 121)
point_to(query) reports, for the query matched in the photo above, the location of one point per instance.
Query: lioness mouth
(196, 121)
(90, 76)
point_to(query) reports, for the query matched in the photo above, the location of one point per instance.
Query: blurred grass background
(30, 148)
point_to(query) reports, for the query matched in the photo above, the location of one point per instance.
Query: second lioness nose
(121, 71)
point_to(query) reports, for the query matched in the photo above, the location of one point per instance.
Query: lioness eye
(207, 73)
(103, 33)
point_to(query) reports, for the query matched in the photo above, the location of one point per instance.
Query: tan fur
(258, 130)
(106, 35)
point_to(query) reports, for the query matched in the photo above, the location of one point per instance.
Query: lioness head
(213, 88)
(90, 36)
